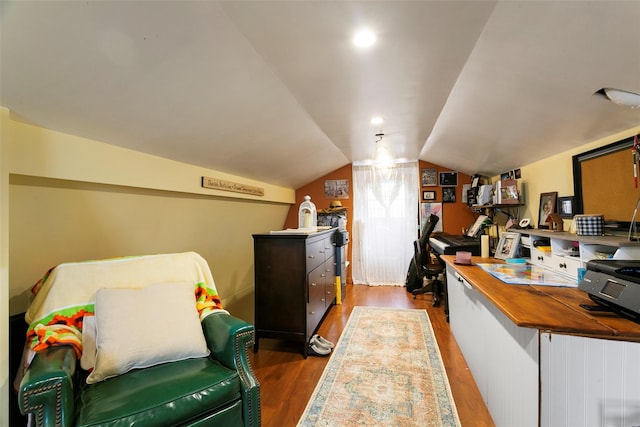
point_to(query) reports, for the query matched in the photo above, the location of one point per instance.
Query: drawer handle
(311, 256)
(322, 299)
(323, 275)
(464, 282)
(313, 312)
(562, 265)
(540, 258)
(313, 284)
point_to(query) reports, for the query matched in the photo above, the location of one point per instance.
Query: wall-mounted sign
(221, 184)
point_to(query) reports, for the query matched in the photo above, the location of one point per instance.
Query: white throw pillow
(138, 328)
(88, 359)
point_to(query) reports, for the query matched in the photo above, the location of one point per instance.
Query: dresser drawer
(316, 254)
(316, 305)
(330, 280)
(567, 265)
(541, 258)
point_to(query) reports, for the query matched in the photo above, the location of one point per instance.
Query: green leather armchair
(219, 390)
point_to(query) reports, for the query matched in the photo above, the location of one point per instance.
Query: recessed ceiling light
(364, 38)
(377, 121)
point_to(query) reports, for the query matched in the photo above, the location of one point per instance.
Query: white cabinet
(531, 377)
(565, 253)
(588, 382)
(502, 357)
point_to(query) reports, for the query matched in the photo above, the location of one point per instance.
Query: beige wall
(66, 198)
(5, 380)
(555, 173)
(54, 221)
(72, 199)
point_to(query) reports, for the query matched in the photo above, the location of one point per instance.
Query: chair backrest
(427, 230)
(421, 255)
(417, 259)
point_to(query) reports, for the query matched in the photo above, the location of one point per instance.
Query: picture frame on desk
(508, 245)
(566, 207)
(546, 208)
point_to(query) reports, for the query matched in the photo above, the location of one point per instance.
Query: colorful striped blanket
(67, 292)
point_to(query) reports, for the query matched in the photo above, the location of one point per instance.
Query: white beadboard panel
(589, 382)
(502, 357)
(512, 369)
(465, 321)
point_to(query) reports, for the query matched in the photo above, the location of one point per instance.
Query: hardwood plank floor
(287, 380)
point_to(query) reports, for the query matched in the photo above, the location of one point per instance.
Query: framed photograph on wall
(429, 177)
(566, 207)
(427, 209)
(448, 178)
(428, 196)
(448, 194)
(336, 189)
(547, 207)
(508, 245)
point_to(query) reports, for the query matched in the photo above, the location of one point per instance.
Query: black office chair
(427, 266)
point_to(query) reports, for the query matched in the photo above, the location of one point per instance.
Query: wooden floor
(287, 380)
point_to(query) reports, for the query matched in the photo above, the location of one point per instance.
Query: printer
(614, 284)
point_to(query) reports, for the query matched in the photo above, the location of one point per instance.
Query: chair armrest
(46, 390)
(229, 340)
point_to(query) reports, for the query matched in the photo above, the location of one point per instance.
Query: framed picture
(472, 196)
(566, 207)
(336, 189)
(427, 209)
(428, 195)
(448, 178)
(448, 195)
(508, 245)
(509, 194)
(547, 207)
(465, 189)
(429, 177)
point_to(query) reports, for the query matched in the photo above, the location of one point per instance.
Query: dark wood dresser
(294, 284)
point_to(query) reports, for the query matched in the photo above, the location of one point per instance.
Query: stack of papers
(526, 274)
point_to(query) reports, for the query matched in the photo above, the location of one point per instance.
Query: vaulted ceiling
(276, 91)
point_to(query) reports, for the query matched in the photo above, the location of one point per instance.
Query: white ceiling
(275, 91)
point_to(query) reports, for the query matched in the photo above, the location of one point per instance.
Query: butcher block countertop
(547, 308)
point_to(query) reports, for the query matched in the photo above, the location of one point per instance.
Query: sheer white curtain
(385, 222)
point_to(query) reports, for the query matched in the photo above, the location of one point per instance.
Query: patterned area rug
(386, 370)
